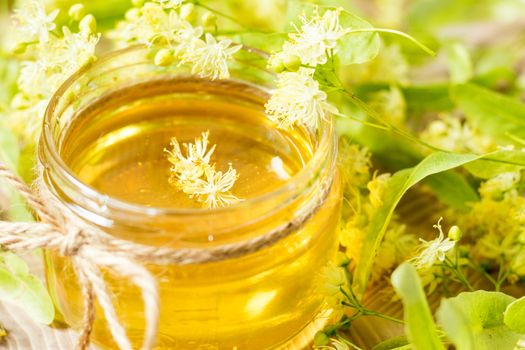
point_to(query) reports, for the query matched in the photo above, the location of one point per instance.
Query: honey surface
(258, 301)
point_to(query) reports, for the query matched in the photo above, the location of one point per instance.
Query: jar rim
(47, 142)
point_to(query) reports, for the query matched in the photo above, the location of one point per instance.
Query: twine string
(91, 250)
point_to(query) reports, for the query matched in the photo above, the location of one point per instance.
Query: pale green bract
(420, 326)
(514, 316)
(356, 48)
(474, 321)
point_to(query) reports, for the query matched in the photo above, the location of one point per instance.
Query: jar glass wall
(102, 151)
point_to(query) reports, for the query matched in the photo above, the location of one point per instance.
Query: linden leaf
(10, 155)
(497, 115)
(514, 316)
(357, 47)
(474, 321)
(397, 343)
(25, 290)
(459, 62)
(505, 161)
(420, 326)
(397, 186)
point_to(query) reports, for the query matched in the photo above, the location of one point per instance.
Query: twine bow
(90, 249)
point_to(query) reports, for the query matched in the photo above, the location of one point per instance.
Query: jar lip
(47, 142)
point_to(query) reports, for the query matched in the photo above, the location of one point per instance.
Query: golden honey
(113, 148)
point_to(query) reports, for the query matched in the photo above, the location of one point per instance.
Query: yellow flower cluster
(452, 134)
(164, 26)
(363, 196)
(48, 57)
(496, 226)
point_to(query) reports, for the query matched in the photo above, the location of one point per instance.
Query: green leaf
(396, 188)
(427, 98)
(452, 189)
(26, 291)
(9, 151)
(497, 115)
(356, 48)
(15, 264)
(506, 161)
(474, 321)
(514, 316)
(397, 343)
(459, 63)
(10, 155)
(420, 326)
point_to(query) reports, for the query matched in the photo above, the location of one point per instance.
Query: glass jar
(102, 154)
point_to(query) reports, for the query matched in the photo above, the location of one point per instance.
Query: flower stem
(455, 268)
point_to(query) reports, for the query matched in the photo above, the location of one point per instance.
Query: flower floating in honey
(214, 191)
(194, 175)
(434, 250)
(298, 100)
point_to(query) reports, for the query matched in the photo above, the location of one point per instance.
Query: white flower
(192, 166)
(214, 192)
(335, 344)
(32, 80)
(169, 4)
(431, 251)
(298, 100)
(317, 36)
(499, 184)
(210, 58)
(188, 171)
(74, 50)
(32, 21)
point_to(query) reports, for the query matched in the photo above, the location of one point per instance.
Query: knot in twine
(90, 249)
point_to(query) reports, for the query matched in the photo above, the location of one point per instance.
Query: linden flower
(75, 50)
(433, 250)
(169, 4)
(214, 192)
(317, 36)
(32, 79)
(188, 171)
(192, 166)
(33, 22)
(298, 100)
(335, 345)
(210, 58)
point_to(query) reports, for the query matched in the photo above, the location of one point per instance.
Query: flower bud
(321, 338)
(341, 259)
(209, 19)
(292, 62)
(164, 58)
(132, 14)
(76, 12)
(88, 24)
(137, 3)
(276, 64)
(187, 12)
(455, 233)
